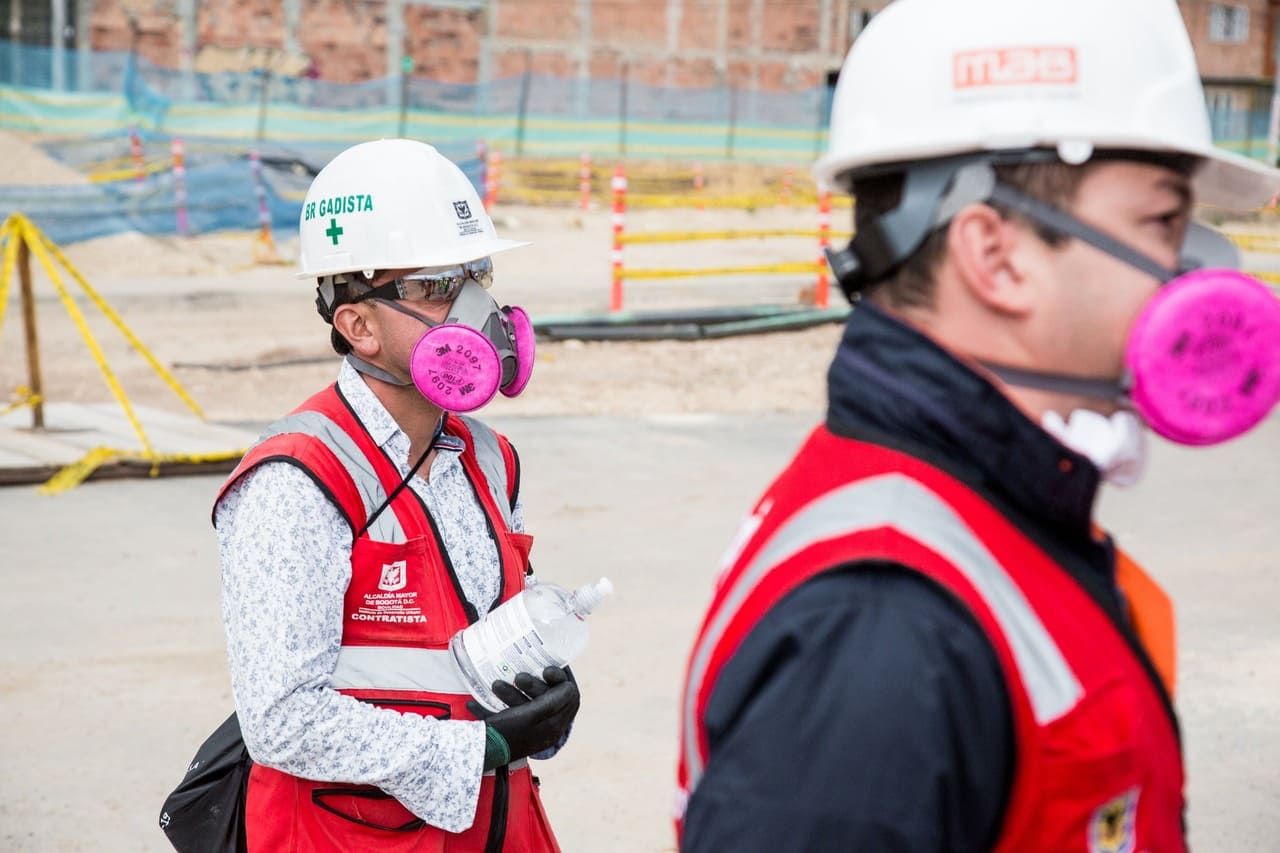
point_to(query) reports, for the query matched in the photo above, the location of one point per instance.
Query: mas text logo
(1015, 66)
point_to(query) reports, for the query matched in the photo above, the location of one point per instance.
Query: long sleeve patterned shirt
(286, 562)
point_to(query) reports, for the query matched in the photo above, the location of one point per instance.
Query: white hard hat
(392, 204)
(935, 78)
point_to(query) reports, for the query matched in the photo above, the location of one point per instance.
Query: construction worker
(373, 523)
(921, 640)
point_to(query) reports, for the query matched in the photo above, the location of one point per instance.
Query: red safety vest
(1098, 764)
(402, 606)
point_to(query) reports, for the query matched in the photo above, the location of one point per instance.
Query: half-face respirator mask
(1202, 361)
(479, 349)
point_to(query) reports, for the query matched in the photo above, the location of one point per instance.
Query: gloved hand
(538, 714)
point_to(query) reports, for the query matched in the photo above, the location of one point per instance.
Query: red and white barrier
(180, 186)
(619, 186)
(821, 286)
(135, 148)
(492, 179)
(264, 246)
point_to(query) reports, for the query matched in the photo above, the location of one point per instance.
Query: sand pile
(27, 165)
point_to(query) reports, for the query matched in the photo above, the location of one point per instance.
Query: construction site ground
(640, 458)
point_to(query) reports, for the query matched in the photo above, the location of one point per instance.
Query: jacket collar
(892, 384)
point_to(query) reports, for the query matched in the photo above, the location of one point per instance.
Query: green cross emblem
(333, 232)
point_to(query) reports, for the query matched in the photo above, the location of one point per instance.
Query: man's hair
(912, 284)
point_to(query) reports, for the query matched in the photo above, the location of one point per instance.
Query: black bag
(205, 813)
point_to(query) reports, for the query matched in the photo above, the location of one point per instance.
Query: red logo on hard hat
(1015, 66)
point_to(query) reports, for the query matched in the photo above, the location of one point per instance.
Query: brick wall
(1246, 60)
(772, 44)
(775, 45)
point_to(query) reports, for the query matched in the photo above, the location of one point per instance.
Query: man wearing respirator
(921, 640)
(374, 522)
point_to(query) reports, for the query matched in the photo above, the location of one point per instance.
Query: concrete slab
(71, 430)
(111, 646)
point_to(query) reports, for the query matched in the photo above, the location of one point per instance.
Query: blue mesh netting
(540, 114)
(219, 182)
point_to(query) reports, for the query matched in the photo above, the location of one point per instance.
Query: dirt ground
(111, 665)
(201, 306)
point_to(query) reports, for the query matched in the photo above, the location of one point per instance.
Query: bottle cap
(588, 596)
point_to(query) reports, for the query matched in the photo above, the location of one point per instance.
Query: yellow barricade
(128, 173)
(690, 236)
(1262, 243)
(17, 229)
(76, 473)
(809, 267)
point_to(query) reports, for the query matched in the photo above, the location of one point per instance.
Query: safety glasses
(433, 284)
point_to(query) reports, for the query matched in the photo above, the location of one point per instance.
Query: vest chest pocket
(399, 595)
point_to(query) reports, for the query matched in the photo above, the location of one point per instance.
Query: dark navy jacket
(867, 710)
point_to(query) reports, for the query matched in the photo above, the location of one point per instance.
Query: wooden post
(29, 324)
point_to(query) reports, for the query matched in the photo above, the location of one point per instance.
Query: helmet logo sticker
(468, 224)
(1015, 66)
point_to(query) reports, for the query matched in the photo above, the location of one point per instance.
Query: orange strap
(1151, 613)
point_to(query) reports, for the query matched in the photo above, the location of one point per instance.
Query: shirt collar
(382, 427)
(366, 405)
(890, 379)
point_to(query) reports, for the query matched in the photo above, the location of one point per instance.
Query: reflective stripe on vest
(386, 527)
(898, 502)
(489, 455)
(397, 668)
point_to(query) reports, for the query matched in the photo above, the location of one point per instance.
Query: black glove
(538, 714)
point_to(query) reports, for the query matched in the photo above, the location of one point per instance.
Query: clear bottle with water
(542, 626)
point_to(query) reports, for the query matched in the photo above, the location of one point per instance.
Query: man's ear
(990, 257)
(357, 325)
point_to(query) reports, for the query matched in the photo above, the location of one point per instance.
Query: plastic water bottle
(542, 626)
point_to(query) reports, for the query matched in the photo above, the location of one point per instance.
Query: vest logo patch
(394, 576)
(394, 600)
(1111, 828)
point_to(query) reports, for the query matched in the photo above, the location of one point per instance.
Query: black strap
(1096, 388)
(407, 477)
(1068, 226)
(497, 838)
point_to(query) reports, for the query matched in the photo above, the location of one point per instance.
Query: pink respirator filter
(1204, 356)
(522, 337)
(455, 367)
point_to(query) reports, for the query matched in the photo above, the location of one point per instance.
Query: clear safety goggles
(433, 284)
